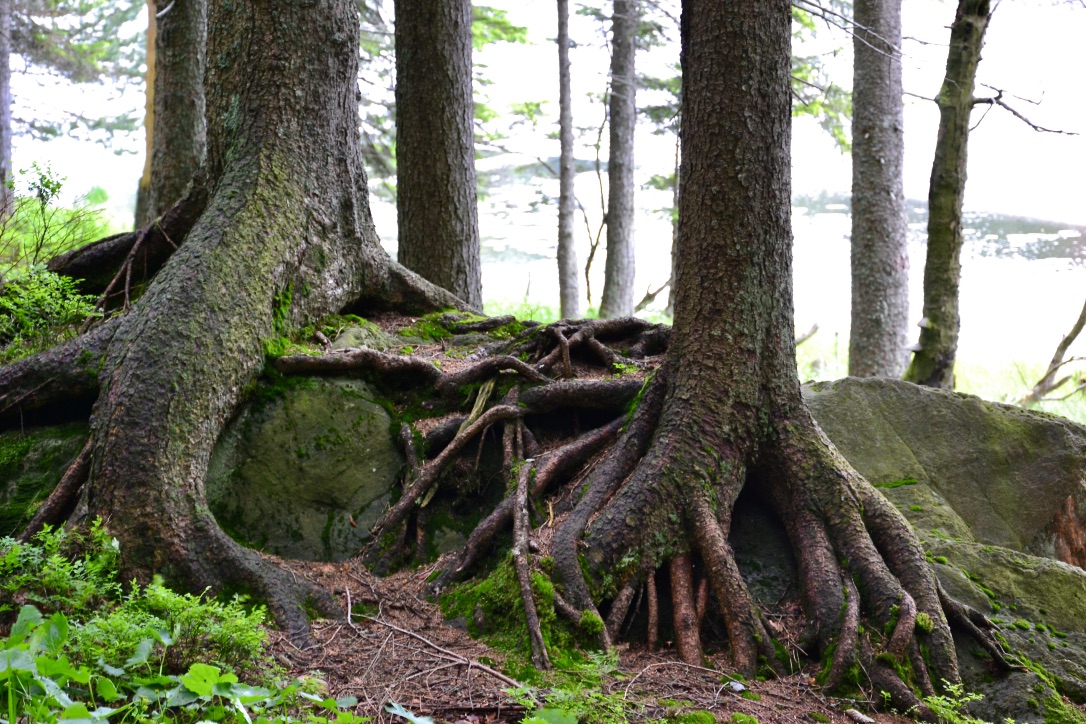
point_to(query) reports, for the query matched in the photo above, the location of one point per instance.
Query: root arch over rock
(626, 510)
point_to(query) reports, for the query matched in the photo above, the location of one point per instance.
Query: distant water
(1023, 280)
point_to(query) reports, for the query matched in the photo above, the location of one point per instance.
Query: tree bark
(880, 257)
(7, 195)
(286, 237)
(568, 288)
(435, 148)
(933, 362)
(143, 190)
(732, 415)
(180, 131)
(618, 283)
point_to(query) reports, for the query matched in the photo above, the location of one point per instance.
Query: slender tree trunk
(180, 130)
(569, 292)
(435, 149)
(143, 191)
(880, 258)
(933, 361)
(618, 283)
(7, 195)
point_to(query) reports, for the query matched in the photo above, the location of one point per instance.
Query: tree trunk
(933, 362)
(7, 195)
(732, 415)
(286, 237)
(618, 283)
(180, 130)
(435, 149)
(143, 191)
(568, 288)
(880, 256)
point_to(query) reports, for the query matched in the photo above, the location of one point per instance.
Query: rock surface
(998, 498)
(31, 464)
(305, 475)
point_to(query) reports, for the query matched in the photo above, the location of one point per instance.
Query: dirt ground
(409, 655)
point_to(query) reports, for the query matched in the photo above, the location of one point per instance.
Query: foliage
(37, 307)
(38, 683)
(578, 696)
(39, 228)
(81, 41)
(949, 707)
(75, 574)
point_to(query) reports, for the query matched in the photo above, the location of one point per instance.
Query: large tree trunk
(435, 148)
(880, 256)
(568, 290)
(731, 414)
(933, 361)
(7, 195)
(618, 283)
(180, 130)
(286, 237)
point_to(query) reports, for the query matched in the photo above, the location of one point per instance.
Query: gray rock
(367, 335)
(996, 495)
(290, 475)
(31, 464)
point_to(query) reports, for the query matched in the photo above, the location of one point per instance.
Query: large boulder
(998, 498)
(305, 470)
(31, 464)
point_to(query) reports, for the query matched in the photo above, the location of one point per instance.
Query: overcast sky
(1031, 51)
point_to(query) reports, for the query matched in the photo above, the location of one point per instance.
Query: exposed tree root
(58, 506)
(136, 255)
(61, 374)
(687, 636)
(522, 563)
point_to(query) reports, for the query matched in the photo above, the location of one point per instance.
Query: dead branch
(1048, 383)
(522, 563)
(997, 100)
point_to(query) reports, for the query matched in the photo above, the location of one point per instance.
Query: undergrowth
(78, 646)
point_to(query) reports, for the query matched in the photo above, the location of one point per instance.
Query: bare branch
(997, 100)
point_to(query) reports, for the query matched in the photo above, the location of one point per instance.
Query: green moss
(1022, 624)
(750, 695)
(925, 623)
(493, 611)
(591, 622)
(740, 718)
(428, 328)
(897, 483)
(698, 716)
(941, 560)
(819, 717)
(31, 464)
(1058, 711)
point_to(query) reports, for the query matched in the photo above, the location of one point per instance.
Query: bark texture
(435, 148)
(180, 131)
(618, 283)
(568, 288)
(7, 196)
(143, 191)
(880, 257)
(933, 361)
(285, 236)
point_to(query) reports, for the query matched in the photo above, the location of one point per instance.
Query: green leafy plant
(39, 227)
(38, 683)
(949, 707)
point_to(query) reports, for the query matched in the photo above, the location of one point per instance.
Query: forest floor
(395, 647)
(403, 651)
